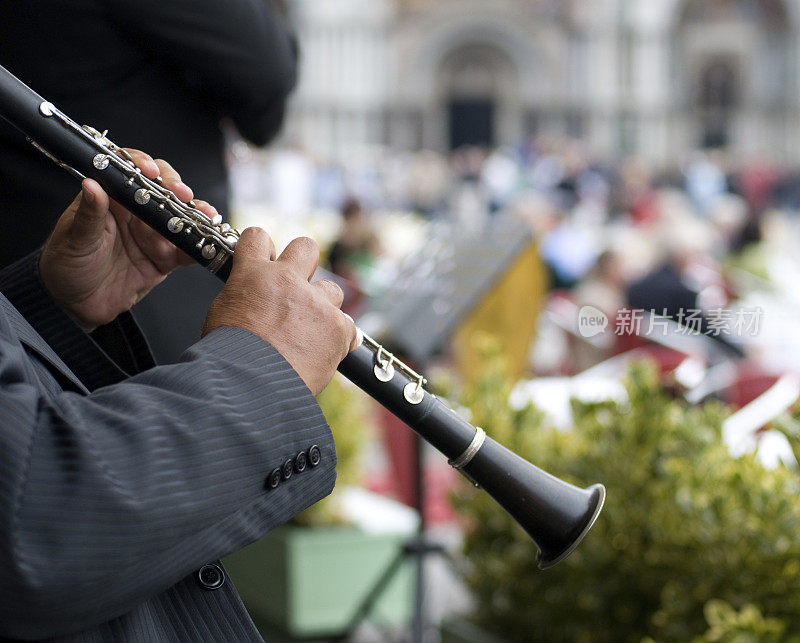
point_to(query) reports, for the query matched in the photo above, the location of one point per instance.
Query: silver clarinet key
(384, 365)
(413, 392)
(216, 239)
(384, 372)
(175, 225)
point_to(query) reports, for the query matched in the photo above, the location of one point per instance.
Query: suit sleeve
(240, 54)
(109, 498)
(106, 356)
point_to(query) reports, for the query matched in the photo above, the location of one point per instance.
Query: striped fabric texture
(116, 489)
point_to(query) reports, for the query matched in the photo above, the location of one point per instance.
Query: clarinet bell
(557, 515)
(569, 523)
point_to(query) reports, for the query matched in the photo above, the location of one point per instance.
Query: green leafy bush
(748, 625)
(692, 544)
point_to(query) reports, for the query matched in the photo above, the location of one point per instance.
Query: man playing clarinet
(122, 484)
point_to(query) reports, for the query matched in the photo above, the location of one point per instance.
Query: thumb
(90, 215)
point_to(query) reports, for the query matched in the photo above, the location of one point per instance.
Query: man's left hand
(100, 259)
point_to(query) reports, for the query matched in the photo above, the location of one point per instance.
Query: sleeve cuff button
(274, 478)
(211, 577)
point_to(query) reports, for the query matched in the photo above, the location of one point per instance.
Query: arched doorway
(479, 94)
(733, 70)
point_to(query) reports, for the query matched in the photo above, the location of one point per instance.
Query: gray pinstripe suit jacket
(115, 490)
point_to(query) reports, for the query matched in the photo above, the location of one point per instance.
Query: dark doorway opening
(471, 122)
(719, 98)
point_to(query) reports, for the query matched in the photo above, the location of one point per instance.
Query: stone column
(651, 95)
(602, 90)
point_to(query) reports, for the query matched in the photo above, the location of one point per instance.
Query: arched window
(732, 62)
(474, 77)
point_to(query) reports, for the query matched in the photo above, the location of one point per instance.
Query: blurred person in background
(749, 254)
(569, 251)
(756, 182)
(500, 178)
(352, 255)
(664, 290)
(636, 195)
(545, 168)
(604, 286)
(705, 181)
(687, 283)
(430, 178)
(603, 289)
(162, 76)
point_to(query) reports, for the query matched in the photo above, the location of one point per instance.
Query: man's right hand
(274, 299)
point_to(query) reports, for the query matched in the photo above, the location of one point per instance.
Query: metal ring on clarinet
(470, 452)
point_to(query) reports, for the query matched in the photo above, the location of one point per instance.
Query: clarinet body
(557, 515)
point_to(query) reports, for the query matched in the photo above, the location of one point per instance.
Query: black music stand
(436, 288)
(417, 547)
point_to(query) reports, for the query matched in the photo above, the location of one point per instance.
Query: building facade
(656, 78)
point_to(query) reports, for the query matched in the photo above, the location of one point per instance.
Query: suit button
(211, 576)
(288, 467)
(300, 462)
(274, 478)
(314, 456)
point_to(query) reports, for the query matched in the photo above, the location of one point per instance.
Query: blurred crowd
(705, 236)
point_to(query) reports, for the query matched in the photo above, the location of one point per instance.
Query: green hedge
(692, 544)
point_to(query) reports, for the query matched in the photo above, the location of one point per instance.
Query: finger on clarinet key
(331, 291)
(171, 180)
(145, 163)
(358, 334)
(303, 254)
(206, 208)
(254, 244)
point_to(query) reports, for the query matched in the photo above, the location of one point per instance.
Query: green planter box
(310, 582)
(462, 631)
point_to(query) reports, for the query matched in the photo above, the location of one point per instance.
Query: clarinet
(556, 514)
